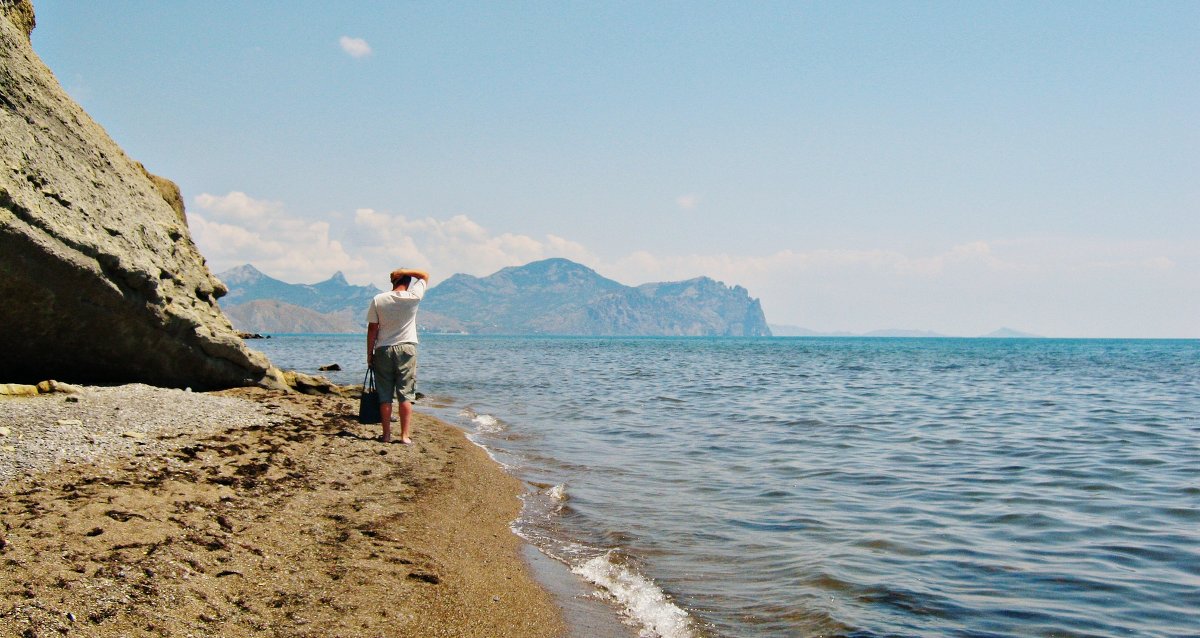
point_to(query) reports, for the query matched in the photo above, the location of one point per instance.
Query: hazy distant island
(552, 297)
(1009, 333)
(782, 330)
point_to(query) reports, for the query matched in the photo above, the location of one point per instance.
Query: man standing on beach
(392, 346)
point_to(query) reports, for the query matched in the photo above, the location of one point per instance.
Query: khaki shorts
(396, 372)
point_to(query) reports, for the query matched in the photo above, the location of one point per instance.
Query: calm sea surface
(842, 487)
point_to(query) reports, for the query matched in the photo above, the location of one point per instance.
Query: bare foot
(406, 441)
(386, 439)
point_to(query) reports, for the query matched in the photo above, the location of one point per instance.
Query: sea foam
(483, 423)
(640, 599)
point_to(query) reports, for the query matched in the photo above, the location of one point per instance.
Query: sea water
(841, 487)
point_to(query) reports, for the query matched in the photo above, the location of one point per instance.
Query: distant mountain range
(553, 297)
(258, 303)
(780, 330)
(246, 283)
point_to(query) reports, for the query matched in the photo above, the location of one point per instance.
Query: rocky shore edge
(142, 511)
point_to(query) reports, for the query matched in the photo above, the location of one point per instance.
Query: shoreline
(298, 522)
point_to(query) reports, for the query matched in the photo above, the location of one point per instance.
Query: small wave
(487, 423)
(483, 423)
(641, 600)
(542, 505)
(470, 416)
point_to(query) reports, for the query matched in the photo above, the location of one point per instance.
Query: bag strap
(369, 380)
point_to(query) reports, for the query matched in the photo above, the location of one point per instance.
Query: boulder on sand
(99, 279)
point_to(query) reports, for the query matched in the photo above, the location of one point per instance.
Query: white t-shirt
(396, 314)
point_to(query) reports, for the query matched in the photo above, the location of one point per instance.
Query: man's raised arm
(416, 274)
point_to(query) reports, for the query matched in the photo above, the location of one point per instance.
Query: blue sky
(946, 166)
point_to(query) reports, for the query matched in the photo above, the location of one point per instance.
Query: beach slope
(252, 513)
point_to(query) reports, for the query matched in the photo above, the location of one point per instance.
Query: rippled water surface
(860, 487)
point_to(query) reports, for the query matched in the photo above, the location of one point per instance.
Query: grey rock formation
(99, 279)
(20, 14)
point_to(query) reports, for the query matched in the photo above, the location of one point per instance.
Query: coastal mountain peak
(242, 275)
(553, 271)
(562, 297)
(337, 284)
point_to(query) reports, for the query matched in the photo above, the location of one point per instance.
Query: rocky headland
(561, 297)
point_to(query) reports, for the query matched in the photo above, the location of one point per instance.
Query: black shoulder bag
(368, 403)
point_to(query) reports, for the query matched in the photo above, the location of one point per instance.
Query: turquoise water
(843, 487)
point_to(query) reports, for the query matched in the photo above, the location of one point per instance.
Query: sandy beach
(139, 511)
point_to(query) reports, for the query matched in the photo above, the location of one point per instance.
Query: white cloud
(371, 245)
(236, 229)
(356, 47)
(1055, 286)
(687, 202)
(457, 244)
(238, 205)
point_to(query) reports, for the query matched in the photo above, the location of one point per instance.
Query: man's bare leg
(405, 417)
(385, 414)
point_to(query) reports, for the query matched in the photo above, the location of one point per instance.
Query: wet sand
(306, 525)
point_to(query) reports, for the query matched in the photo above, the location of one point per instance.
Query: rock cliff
(99, 279)
(20, 14)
